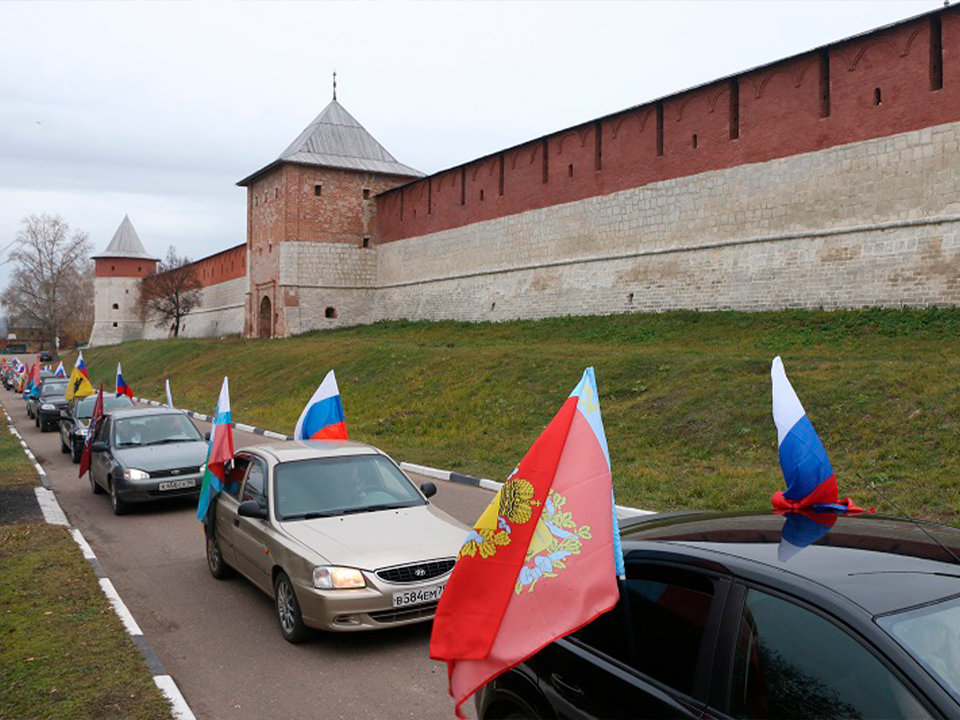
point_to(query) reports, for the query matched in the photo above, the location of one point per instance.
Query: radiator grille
(176, 472)
(417, 572)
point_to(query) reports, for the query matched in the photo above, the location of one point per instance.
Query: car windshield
(110, 402)
(154, 430)
(932, 635)
(53, 390)
(326, 487)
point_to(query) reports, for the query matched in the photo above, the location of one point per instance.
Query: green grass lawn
(63, 651)
(685, 396)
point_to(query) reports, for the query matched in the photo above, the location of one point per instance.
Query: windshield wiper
(312, 515)
(167, 441)
(374, 508)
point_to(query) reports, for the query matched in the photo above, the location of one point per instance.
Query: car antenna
(948, 551)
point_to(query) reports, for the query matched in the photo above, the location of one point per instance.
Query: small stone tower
(117, 276)
(311, 248)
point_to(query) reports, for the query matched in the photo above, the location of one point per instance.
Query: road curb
(53, 515)
(623, 510)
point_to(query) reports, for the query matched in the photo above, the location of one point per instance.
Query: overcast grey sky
(156, 109)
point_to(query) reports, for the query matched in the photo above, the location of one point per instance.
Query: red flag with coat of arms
(543, 559)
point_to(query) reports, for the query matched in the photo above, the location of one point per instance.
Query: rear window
(663, 608)
(110, 402)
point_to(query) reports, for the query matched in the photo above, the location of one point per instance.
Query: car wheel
(94, 487)
(218, 568)
(36, 420)
(118, 505)
(77, 452)
(44, 427)
(64, 448)
(288, 610)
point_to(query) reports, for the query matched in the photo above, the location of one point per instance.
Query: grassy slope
(685, 396)
(63, 651)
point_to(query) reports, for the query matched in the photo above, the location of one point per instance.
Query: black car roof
(881, 563)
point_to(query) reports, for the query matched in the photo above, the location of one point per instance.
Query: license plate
(419, 596)
(178, 484)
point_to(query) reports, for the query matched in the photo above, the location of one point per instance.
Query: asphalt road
(219, 639)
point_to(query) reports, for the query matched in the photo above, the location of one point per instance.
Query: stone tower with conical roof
(117, 276)
(311, 248)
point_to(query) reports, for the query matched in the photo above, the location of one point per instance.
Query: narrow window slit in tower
(366, 193)
(570, 170)
(481, 195)
(936, 53)
(318, 189)
(366, 242)
(734, 109)
(544, 150)
(824, 84)
(598, 146)
(659, 129)
(694, 141)
(877, 99)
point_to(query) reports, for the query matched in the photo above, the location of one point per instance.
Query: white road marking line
(52, 512)
(181, 711)
(125, 617)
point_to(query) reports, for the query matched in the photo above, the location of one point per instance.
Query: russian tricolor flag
(122, 387)
(60, 371)
(803, 459)
(322, 418)
(79, 365)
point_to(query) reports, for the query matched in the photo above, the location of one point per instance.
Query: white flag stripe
(328, 388)
(787, 409)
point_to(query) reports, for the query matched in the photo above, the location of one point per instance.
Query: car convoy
(714, 619)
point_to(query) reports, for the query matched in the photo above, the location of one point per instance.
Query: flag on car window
(169, 396)
(219, 452)
(60, 371)
(92, 428)
(322, 418)
(803, 459)
(79, 385)
(542, 560)
(122, 387)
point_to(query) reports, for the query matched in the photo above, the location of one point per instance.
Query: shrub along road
(220, 640)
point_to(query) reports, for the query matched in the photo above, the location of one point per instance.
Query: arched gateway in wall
(266, 315)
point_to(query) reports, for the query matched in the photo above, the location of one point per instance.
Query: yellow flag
(79, 385)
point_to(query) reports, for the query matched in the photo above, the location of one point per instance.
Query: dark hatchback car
(30, 398)
(865, 623)
(48, 404)
(75, 420)
(146, 454)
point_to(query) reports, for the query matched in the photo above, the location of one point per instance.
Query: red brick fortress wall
(897, 79)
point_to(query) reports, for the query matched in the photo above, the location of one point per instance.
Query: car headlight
(48, 406)
(203, 468)
(134, 474)
(327, 577)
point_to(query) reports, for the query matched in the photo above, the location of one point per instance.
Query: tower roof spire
(125, 243)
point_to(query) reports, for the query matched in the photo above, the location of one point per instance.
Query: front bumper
(50, 416)
(369, 608)
(136, 491)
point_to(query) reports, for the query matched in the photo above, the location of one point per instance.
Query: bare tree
(170, 295)
(51, 262)
(79, 296)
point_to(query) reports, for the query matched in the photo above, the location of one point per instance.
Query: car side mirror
(251, 508)
(64, 415)
(428, 489)
(100, 446)
(206, 436)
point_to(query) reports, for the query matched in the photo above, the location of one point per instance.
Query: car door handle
(564, 687)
